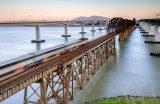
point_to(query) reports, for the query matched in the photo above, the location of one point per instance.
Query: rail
(34, 74)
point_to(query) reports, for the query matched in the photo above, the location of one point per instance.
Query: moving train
(16, 65)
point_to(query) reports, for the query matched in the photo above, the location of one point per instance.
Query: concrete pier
(149, 29)
(100, 26)
(66, 39)
(146, 26)
(66, 31)
(82, 24)
(93, 30)
(143, 25)
(38, 37)
(106, 25)
(156, 33)
(38, 46)
(156, 28)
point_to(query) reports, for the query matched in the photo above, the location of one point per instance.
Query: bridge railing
(117, 25)
(61, 77)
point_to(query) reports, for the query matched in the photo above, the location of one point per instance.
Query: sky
(70, 9)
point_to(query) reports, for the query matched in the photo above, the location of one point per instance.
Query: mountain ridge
(94, 17)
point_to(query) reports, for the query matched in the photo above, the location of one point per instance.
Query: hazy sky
(69, 9)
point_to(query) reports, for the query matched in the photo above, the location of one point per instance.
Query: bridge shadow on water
(132, 71)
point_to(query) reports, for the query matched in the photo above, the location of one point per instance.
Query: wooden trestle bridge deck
(61, 78)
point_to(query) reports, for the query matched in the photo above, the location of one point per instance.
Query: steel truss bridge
(61, 78)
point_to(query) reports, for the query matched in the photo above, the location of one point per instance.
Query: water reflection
(38, 46)
(93, 34)
(65, 39)
(83, 35)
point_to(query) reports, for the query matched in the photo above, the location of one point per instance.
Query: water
(16, 41)
(132, 71)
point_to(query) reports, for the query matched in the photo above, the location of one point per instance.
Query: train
(22, 63)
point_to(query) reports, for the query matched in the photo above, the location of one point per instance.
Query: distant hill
(82, 18)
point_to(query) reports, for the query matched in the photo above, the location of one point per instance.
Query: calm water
(16, 41)
(132, 71)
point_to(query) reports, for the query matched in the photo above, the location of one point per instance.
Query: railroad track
(12, 85)
(21, 77)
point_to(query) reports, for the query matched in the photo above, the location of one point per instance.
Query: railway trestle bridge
(59, 80)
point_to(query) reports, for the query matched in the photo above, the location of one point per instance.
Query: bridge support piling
(63, 80)
(156, 33)
(59, 81)
(156, 29)
(146, 27)
(126, 33)
(81, 72)
(149, 29)
(43, 91)
(142, 25)
(38, 36)
(106, 25)
(25, 95)
(38, 46)
(130, 30)
(82, 27)
(93, 35)
(122, 36)
(61, 77)
(72, 96)
(68, 84)
(66, 31)
(93, 30)
(66, 39)
(100, 26)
